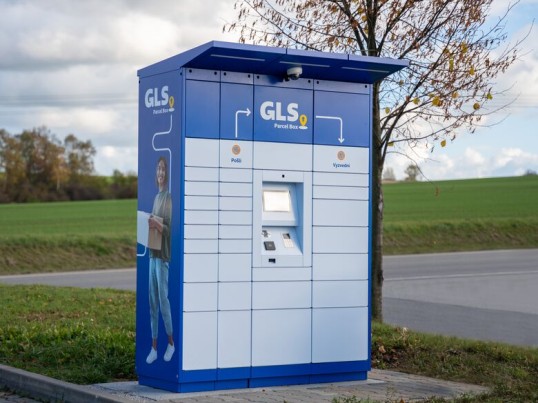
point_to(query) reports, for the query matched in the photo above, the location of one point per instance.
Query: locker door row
(237, 106)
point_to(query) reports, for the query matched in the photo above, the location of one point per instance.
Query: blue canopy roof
(256, 59)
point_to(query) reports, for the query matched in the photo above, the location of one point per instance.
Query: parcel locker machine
(253, 228)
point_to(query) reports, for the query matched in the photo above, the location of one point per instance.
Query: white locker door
(199, 340)
(339, 334)
(234, 343)
(281, 337)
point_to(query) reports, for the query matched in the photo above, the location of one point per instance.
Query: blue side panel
(160, 137)
(236, 115)
(198, 375)
(340, 367)
(279, 381)
(283, 115)
(202, 109)
(280, 370)
(341, 119)
(233, 373)
(346, 377)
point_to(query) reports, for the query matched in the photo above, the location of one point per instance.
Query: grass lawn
(86, 336)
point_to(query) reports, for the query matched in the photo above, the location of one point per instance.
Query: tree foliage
(455, 54)
(413, 172)
(36, 166)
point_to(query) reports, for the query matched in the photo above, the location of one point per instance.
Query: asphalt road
(481, 295)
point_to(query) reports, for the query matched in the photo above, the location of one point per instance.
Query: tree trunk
(377, 210)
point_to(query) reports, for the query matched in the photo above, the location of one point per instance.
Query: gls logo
(270, 110)
(273, 111)
(154, 99)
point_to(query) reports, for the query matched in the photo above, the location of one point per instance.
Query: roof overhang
(273, 61)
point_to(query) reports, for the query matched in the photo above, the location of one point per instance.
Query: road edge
(50, 389)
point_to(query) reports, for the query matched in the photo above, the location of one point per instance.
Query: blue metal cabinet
(267, 200)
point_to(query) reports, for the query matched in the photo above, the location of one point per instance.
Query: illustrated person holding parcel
(159, 258)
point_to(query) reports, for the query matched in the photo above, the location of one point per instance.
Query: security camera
(293, 73)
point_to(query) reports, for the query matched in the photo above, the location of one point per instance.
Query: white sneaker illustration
(169, 352)
(152, 356)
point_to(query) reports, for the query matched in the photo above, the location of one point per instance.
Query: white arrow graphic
(247, 112)
(341, 138)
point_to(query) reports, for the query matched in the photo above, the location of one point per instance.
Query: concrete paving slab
(381, 386)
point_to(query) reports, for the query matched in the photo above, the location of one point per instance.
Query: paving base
(381, 386)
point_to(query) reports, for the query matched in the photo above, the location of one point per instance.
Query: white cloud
(515, 159)
(72, 67)
(472, 163)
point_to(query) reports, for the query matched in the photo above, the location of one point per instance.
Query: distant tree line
(36, 166)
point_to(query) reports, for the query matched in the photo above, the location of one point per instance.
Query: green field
(420, 217)
(477, 214)
(65, 236)
(108, 218)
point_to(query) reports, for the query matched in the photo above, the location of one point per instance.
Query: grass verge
(87, 336)
(458, 236)
(30, 254)
(78, 335)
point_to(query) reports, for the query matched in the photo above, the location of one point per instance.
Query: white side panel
(142, 227)
(201, 152)
(235, 232)
(340, 193)
(201, 246)
(235, 189)
(201, 268)
(281, 274)
(201, 203)
(341, 159)
(235, 175)
(281, 295)
(235, 267)
(281, 337)
(201, 217)
(340, 334)
(235, 217)
(282, 156)
(234, 339)
(235, 203)
(235, 296)
(340, 240)
(201, 174)
(344, 213)
(236, 154)
(339, 179)
(235, 246)
(201, 231)
(340, 294)
(340, 267)
(199, 340)
(200, 297)
(202, 188)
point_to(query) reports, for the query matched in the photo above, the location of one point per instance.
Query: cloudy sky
(71, 66)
